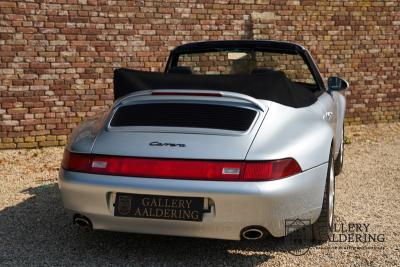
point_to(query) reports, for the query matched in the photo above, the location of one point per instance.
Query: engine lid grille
(185, 115)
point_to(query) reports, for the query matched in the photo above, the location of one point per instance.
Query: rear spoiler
(205, 93)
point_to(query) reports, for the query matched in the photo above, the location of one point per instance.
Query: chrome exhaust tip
(253, 234)
(83, 222)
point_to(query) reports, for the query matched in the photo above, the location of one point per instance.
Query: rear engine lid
(181, 127)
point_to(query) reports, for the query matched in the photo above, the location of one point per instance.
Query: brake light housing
(210, 170)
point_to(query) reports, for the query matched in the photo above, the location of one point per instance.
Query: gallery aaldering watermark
(355, 233)
(344, 236)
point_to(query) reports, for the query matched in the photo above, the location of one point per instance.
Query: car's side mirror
(337, 84)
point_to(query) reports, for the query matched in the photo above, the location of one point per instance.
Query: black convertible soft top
(273, 86)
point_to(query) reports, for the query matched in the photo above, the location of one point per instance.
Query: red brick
(17, 110)
(59, 69)
(7, 4)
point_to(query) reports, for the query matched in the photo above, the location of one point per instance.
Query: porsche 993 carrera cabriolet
(233, 139)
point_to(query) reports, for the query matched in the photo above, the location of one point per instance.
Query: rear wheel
(340, 156)
(322, 228)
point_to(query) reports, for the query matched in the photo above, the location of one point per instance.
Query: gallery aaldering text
(354, 232)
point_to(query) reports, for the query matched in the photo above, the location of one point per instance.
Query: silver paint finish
(230, 95)
(199, 143)
(299, 133)
(304, 134)
(82, 138)
(234, 205)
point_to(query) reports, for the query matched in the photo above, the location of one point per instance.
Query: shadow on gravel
(38, 232)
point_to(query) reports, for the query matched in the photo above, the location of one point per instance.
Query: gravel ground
(35, 230)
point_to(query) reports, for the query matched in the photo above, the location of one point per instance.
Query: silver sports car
(234, 139)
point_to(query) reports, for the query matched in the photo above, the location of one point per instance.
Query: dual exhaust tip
(248, 233)
(253, 233)
(82, 221)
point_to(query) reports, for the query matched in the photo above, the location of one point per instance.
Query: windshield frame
(248, 46)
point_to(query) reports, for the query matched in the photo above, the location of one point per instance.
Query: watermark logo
(298, 236)
(124, 205)
(355, 233)
(344, 236)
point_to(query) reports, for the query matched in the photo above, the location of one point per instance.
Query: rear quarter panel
(299, 133)
(84, 135)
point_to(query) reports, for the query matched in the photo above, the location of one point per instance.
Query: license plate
(159, 207)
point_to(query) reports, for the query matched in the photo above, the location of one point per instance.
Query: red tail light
(76, 162)
(164, 168)
(270, 170)
(181, 169)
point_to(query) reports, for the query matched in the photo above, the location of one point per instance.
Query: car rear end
(170, 163)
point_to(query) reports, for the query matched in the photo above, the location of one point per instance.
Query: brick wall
(57, 57)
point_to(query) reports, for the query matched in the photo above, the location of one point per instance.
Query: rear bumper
(236, 205)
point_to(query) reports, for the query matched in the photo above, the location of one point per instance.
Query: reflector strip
(99, 164)
(231, 170)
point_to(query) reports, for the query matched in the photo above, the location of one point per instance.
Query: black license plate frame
(162, 207)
